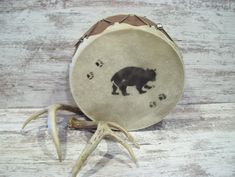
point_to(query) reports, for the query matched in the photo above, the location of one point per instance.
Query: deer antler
(52, 126)
(104, 129)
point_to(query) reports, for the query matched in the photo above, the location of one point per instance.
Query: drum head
(130, 75)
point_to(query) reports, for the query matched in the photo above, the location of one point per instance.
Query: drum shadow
(158, 126)
(112, 146)
(68, 94)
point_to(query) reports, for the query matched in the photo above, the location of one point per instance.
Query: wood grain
(37, 38)
(199, 142)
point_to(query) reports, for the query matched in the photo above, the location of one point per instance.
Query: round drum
(126, 69)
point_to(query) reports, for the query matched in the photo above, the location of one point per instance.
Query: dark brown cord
(122, 20)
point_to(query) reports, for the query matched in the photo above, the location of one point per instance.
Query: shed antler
(52, 125)
(104, 129)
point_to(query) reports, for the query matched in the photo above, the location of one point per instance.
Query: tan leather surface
(121, 45)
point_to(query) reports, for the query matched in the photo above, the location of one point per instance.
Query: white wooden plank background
(199, 142)
(37, 39)
(36, 46)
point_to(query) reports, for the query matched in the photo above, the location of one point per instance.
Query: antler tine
(102, 131)
(128, 135)
(90, 147)
(33, 117)
(52, 128)
(123, 143)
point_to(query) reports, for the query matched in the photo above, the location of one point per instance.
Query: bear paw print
(152, 104)
(162, 97)
(99, 63)
(90, 75)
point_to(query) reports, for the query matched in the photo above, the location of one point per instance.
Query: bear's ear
(147, 69)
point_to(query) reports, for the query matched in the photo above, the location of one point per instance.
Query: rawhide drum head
(127, 69)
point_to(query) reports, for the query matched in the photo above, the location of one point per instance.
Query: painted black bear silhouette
(132, 76)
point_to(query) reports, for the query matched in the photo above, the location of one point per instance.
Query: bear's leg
(115, 90)
(139, 88)
(123, 89)
(148, 87)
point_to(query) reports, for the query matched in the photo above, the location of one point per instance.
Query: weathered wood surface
(36, 46)
(37, 38)
(199, 142)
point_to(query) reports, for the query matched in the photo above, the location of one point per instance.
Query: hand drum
(127, 70)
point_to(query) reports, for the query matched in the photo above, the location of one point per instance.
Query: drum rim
(113, 28)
